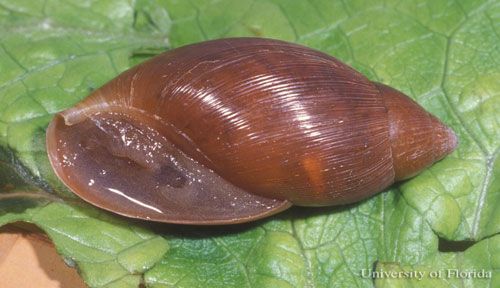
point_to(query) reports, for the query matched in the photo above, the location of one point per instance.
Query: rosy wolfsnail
(233, 130)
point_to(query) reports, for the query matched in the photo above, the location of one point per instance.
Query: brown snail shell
(233, 130)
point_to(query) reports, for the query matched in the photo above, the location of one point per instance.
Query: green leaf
(444, 54)
(469, 269)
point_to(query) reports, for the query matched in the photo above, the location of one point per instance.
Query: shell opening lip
(51, 143)
(79, 113)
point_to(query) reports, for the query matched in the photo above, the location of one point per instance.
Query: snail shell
(233, 130)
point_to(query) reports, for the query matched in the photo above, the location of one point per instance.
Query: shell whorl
(318, 129)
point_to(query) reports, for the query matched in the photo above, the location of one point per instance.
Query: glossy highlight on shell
(234, 130)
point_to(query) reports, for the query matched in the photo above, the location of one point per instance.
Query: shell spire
(418, 138)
